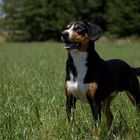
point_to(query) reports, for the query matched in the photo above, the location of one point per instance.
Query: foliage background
(40, 20)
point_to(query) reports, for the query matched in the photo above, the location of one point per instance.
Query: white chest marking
(77, 86)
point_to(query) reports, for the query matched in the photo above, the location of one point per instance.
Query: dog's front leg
(96, 113)
(70, 102)
(95, 106)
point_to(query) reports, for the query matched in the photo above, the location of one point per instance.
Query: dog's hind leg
(105, 104)
(134, 92)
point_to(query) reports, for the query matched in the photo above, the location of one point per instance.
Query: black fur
(70, 68)
(112, 75)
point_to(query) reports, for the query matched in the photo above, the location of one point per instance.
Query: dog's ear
(94, 31)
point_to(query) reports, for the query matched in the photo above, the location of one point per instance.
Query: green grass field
(32, 96)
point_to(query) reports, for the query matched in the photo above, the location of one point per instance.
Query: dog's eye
(79, 30)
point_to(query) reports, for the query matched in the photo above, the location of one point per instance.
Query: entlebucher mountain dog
(90, 78)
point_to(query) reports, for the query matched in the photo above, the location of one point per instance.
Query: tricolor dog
(91, 79)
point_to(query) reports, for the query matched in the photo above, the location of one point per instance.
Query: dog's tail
(136, 71)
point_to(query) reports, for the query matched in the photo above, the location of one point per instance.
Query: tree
(37, 19)
(92, 10)
(123, 17)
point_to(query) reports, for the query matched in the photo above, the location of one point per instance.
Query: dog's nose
(65, 35)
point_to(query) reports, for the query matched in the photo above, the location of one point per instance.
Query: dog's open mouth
(72, 45)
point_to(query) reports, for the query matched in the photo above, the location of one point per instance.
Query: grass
(32, 97)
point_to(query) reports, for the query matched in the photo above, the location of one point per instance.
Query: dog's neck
(83, 64)
(79, 61)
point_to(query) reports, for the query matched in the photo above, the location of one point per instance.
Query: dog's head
(78, 34)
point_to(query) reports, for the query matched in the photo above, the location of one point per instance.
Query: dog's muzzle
(68, 43)
(65, 36)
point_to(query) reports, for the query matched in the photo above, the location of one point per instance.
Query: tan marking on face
(80, 37)
(74, 37)
(92, 89)
(85, 43)
(83, 39)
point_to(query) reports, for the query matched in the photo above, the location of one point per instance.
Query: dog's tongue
(69, 45)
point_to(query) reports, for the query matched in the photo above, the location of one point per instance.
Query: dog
(90, 78)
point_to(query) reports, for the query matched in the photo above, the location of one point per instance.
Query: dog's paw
(96, 133)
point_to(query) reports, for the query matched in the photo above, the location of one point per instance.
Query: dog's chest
(76, 84)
